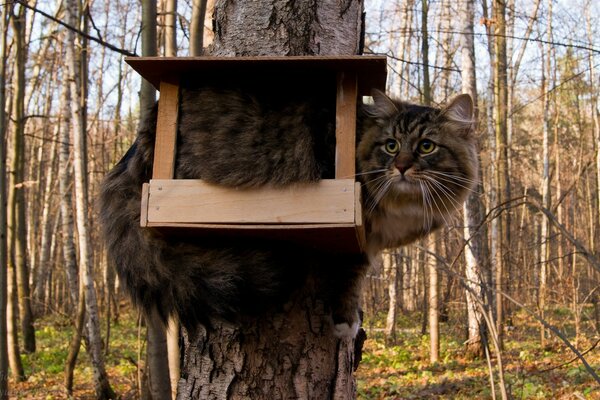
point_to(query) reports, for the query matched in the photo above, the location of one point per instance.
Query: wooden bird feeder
(325, 214)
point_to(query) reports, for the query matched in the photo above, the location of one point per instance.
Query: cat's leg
(345, 283)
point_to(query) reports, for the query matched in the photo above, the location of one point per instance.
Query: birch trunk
(170, 28)
(476, 252)
(291, 354)
(390, 268)
(433, 300)
(197, 27)
(545, 184)
(101, 384)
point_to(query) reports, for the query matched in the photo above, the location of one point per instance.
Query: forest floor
(399, 371)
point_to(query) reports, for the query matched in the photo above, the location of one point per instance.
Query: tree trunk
(157, 371)
(476, 251)
(46, 225)
(545, 184)
(17, 189)
(433, 300)
(101, 384)
(425, 53)
(197, 27)
(390, 268)
(159, 383)
(170, 28)
(3, 216)
(291, 353)
(503, 179)
(12, 330)
(173, 354)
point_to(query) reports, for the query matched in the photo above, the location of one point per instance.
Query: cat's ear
(460, 114)
(383, 107)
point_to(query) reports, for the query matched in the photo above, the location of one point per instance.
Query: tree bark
(433, 300)
(3, 216)
(503, 178)
(156, 358)
(390, 267)
(545, 184)
(170, 28)
(476, 250)
(197, 27)
(291, 353)
(101, 384)
(157, 364)
(17, 189)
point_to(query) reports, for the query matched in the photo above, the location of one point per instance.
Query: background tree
(3, 216)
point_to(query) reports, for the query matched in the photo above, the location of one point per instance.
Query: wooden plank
(144, 204)
(371, 69)
(345, 125)
(166, 131)
(195, 201)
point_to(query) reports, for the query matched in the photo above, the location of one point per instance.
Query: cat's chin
(407, 187)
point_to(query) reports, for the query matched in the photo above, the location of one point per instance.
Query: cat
(416, 165)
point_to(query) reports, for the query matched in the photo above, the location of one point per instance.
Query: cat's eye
(426, 146)
(392, 146)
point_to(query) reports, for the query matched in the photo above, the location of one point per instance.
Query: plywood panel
(195, 201)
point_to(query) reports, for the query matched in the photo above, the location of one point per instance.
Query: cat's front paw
(345, 330)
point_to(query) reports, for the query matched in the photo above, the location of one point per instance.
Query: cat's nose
(403, 163)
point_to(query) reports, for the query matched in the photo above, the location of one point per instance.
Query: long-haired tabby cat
(416, 165)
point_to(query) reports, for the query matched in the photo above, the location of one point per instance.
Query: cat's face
(417, 158)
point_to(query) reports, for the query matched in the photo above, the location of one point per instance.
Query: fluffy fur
(235, 139)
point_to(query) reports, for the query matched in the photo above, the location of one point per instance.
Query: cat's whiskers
(382, 189)
(456, 180)
(428, 217)
(447, 193)
(429, 184)
(374, 197)
(445, 190)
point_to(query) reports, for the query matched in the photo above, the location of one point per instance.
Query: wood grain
(166, 131)
(345, 125)
(195, 201)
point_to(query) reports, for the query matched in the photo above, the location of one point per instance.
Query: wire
(79, 32)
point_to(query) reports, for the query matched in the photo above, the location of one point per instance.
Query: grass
(399, 371)
(403, 371)
(45, 368)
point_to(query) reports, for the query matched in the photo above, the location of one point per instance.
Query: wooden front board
(189, 201)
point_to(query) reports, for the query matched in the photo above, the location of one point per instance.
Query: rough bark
(292, 352)
(287, 27)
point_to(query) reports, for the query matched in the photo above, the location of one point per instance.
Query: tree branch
(77, 31)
